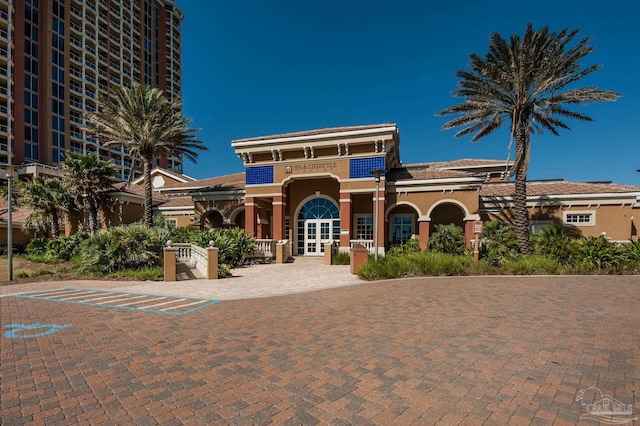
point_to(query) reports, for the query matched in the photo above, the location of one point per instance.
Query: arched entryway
(317, 223)
(447, 213)
(403, 223)
(236, 218)
(212, 219)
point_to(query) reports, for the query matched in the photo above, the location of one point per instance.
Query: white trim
(157, 170)
(434, 188)
(309, 176)
(621, 196)
(354, 227)
(451, 201)
(293, 222)
(435, 181)
(591, 213)
(330, 135)
(402, 203)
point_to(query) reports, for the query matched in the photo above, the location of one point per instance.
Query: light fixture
(376, 176)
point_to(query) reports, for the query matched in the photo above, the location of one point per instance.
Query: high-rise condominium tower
(58, 56)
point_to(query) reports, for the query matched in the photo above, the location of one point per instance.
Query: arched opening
(212, 219)
(239, 220)
(403, 224)
(318, 222)
(445, 214)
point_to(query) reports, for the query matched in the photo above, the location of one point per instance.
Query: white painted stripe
(128, 297)
(87, 294)
(58, 293)
(103, 297)
(183, 306)
(163, 303)
(142, 301)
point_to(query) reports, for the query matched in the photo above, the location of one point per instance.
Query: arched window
(317, 208)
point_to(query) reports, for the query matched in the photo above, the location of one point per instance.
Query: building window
(364, 227)
(580, 218)
(536, 225)
(401, 229)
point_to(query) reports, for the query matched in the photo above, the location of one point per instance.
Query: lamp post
(376, 176)
(9, 223)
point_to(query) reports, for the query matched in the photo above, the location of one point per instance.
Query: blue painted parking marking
(17, 330)
(158, 304)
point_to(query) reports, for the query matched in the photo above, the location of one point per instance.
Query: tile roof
(18, 214)
(314, 132)
(177, 202)
(230, 182)
(466, 162)
(138, 190)
(424, 173)
(557, 187)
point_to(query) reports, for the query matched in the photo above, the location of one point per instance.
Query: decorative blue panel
(258, 175)
(361, 167)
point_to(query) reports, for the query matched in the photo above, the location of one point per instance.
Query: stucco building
(317, 186)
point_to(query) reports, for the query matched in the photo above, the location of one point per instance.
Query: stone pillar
(279, 208)
(250, 210)
(468, 232)
(212, 263)
(423, 233)
(170, 263)
(346, 219)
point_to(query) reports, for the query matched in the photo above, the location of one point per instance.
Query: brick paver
(482, 350)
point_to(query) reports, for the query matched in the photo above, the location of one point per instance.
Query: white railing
(193, 255)
(266, 248)
(367, 243)
(199, 259)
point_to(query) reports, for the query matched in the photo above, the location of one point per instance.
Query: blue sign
(17, 330)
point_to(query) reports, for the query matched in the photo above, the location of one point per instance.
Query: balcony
(75, 26)
(76, 135)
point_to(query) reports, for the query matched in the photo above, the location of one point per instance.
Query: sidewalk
(247, 283)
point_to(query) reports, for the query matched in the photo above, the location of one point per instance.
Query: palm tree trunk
(148, 199)
(521, 217)
(93, 219)
(55, 226)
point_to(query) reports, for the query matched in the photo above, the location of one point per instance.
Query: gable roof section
(179, 177)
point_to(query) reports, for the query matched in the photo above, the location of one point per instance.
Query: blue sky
(256, 67)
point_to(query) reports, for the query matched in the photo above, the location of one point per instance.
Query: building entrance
(318, 223)
(317, 233)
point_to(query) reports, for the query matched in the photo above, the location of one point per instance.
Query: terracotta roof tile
(424, 173)
(233, 181)
(178, 202)
(466, 162)
(316, 132)
(557, 187)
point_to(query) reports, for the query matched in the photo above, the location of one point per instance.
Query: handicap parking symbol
(18, 330)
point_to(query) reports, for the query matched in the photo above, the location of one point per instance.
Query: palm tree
(149, 125)
(87, 178)
(48, 202)
(528, 83)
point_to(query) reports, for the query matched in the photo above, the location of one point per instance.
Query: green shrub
(596, 253)
(552, 240)
(235, 245)
(122, 247)
(54, 250)
(341, 258)
(410, 246)
(152, 273)
(415, 264)
(499, 243)
(447, 239)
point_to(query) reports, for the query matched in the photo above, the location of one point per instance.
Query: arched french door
(318, 223)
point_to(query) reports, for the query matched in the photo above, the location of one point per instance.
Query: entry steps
(169, 305)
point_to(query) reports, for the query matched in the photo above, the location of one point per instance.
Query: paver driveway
(493, 350)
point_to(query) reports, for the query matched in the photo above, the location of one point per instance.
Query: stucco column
(279, 207)
(381, 222)
(468, 232)
(345, 220)
(423, 233)
(250, 209)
